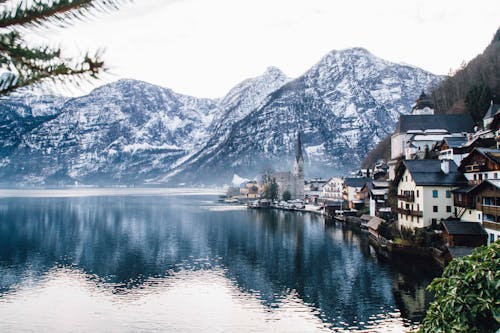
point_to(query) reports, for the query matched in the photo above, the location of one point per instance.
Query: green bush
(467, 296)
(287, 195)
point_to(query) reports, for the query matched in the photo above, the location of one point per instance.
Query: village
(438, 196)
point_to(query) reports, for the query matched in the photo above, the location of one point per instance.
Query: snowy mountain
(131, 132)
(344, 105)
(122, 132)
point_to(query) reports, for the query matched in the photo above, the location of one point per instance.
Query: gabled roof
(428, 172)
(374, 223)
(455, 141)
(491, 154)
(356, 181)
(463, 228)
(453, 123)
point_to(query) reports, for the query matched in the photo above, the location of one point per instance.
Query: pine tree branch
(40, 13)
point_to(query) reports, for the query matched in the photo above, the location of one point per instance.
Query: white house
(422, 129)
(424, 190)
(333, 189)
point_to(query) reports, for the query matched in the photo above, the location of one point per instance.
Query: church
(293, 182)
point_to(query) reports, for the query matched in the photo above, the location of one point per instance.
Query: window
(485, 176)
(479, 217)
(435, 209)
(448, 209)
(448, 194)
(412, 218)
(434, 193)
(495, 175)
(480, 176)
(475, 177)
(417, 194)
(406, 178)
(492, 238)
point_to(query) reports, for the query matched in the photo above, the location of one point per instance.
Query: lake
(154, 260)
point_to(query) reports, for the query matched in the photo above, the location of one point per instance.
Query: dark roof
(492, 111)
(423, 101)
(460, 251)
(463, 228)
(493, 154)
(357, 181)
(473, 188)
(453, 123)
(466, 189)
(455, 141)
(428, 172)
(368, 185)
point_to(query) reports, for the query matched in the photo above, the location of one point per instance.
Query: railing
(410, 212)
(491, 225)
(407, 197)
(493, 210)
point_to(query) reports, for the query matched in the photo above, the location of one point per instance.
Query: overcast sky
(205, 47)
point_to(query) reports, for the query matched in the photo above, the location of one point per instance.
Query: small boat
(232, 201)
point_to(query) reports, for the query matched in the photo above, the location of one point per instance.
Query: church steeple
(298, 148)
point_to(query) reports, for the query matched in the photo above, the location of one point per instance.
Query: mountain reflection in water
(115, 263)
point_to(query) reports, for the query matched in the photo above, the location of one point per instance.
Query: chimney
(445, 166)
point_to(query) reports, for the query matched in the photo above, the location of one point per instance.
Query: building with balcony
(352, 191)
(424, 191)
(483, 200)
(481, 164)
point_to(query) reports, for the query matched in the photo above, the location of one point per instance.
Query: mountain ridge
(133, 132)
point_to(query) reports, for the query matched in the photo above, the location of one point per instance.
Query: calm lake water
(159, 262)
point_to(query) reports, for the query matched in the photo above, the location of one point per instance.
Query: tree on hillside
(22, 64)
(466, 90)
(467, 296)
(477, 100)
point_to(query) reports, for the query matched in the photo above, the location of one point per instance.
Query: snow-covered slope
(131, 132)
(123, 132)
(344, 105)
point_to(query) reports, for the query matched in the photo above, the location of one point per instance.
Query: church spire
(298, 148)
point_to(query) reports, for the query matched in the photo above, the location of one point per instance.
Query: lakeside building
(378, 196)
(294, 181)
(351, 191)
(480, 203)
(313, 189)
(424, 191)
(334, 189)
(417, 133)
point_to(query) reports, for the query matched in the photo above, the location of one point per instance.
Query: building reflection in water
(125, 244)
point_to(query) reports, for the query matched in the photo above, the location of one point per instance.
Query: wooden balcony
(492, 210)
(410, 212)
(491, 225)
(410, 197)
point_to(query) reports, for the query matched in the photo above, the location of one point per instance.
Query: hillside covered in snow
(131, 132)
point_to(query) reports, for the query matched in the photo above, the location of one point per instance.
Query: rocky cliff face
(343, 106)
(131, 132)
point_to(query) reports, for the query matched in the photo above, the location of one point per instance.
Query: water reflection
(270, 264)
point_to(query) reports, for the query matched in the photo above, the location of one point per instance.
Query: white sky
(205, 47)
